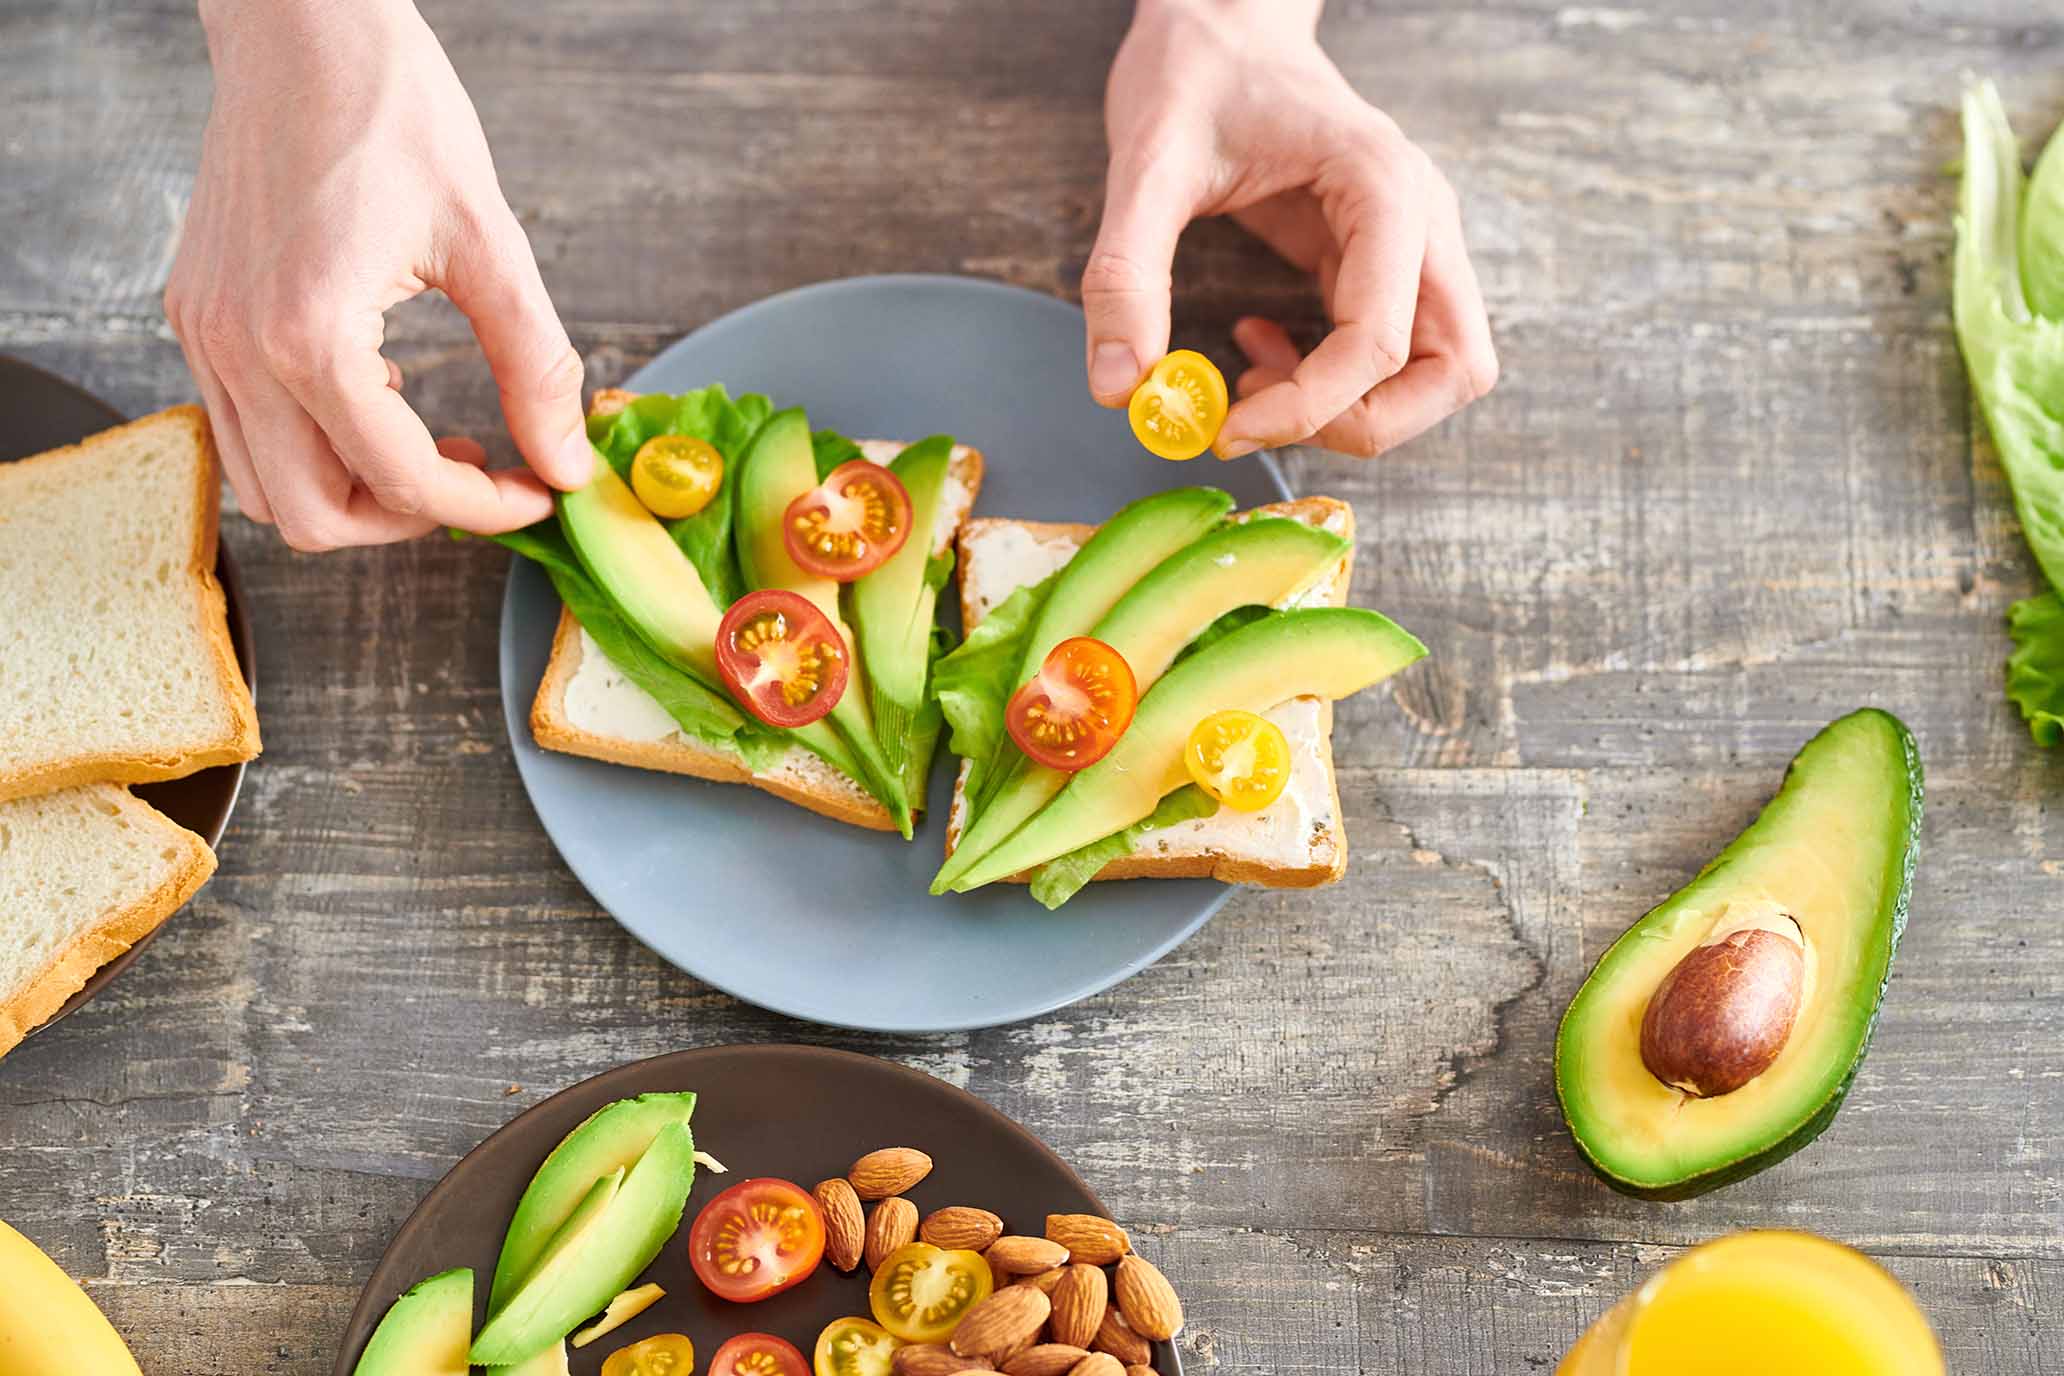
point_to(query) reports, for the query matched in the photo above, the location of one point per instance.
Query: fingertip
(460, 449)
(1256, 379)
(1266, 344)
(1114, 372)
(523, 500)
(569, 464)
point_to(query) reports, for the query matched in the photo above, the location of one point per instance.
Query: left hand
(1230, 107)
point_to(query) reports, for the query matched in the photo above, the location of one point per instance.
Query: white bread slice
(115, 658)
(84, 873)
(585, 707)
(1298, 841)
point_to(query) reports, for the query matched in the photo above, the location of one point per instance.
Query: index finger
(1378, 215)
(385, 445)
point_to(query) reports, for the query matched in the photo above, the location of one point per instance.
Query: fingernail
(1235, 449)
(576, 459)
(1113, 369)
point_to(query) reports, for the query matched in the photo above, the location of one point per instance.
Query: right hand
(343, 171)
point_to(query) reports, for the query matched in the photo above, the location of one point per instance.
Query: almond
(1097, 1241)
(1045, 1280)
(1137, 1370)
(1115, 1336)
(961, 1229)
(1147, 1299)
(999, 1326)
(845, 1230)
(893, 1224)
(933, 1359)
(1097, 1364)
(1047, 1359)
(892, 1170)
(1024, 1256)
(1078, 1304)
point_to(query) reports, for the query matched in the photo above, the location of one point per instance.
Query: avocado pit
(1723, 1014)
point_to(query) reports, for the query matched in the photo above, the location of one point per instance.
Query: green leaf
(973, 684)
(708, 414)
(830, 449)
(1221, 628)
(2016, 358)
(1060, 879)
(2042, 233)
(2035, 671)
(939, 570)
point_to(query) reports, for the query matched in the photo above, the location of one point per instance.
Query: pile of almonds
(1075, 1302)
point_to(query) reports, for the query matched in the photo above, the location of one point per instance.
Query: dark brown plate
(799, 1112)
(42, 411)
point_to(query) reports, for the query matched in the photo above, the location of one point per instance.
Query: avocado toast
(633, 678)
(1213, 611)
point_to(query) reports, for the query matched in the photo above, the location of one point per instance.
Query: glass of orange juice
(1773, 1303)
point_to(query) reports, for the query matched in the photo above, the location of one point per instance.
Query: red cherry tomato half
(758, 1354)
(849, 524)
(781, 657)
(1070, 713)
(756, 1239)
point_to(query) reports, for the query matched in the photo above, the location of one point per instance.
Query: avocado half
(1835, 849)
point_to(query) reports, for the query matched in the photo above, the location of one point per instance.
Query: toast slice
(84, 873)
(1297, 842)
(115, 659)
(585, 707)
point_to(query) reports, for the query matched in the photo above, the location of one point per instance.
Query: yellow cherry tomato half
(665, 1354)
(1177, 411)
(855, 1347)
(921, 1292)
(1239, 758)
(676, 475)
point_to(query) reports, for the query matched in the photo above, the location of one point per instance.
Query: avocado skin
(1817, 1123)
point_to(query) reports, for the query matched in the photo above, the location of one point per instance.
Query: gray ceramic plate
(774, 904)
(43, 411)
(798, 1112)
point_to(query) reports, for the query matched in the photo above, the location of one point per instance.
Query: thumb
(1126, 283)
(492, 276)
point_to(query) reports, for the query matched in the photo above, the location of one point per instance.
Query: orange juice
(1772, 1303)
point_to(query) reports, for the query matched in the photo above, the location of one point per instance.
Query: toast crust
(32, 1004)
(210, 619)
(1327, 512)
(555, 730)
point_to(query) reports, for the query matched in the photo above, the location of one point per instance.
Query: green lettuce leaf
(702, 712)
(973, 684)
(708, 414)
(1221, 628)
(2035, 671)
(1060, 879)
(2009, 293)
(830, 449)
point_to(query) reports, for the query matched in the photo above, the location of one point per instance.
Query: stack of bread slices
(116, 668)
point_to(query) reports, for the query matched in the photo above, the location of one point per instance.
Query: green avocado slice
(1835, 850)
(426, 1331)
(778, 467)
(612, 1236)
(611, 1138)
(1328, 652)
(895, 612)
(1263, 561)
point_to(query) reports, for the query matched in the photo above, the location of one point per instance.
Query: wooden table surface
(1730, 487)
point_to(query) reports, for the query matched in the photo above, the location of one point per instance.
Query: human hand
(1230, 107)
(343, 171)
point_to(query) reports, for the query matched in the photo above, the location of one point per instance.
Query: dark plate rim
(516, 697)
(365, 1313)
(227, 574)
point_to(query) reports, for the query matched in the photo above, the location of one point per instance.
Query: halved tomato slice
(920, 1292)
(663, 1354)
(1239, 758)
(1070, 713)
(758, 1354)
(1177, 411)
(756, 1239)
(676, 475)
(781, 657)
(855, 1347)
(850, 523)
